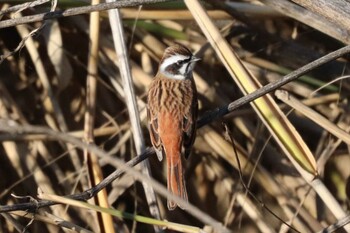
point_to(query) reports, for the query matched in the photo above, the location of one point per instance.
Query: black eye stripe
(188, 59)
(175, 67)
(181, 62)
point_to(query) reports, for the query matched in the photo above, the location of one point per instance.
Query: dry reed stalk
(104, 220)
(130, 99)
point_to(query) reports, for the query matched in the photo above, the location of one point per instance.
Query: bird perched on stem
(172, 113)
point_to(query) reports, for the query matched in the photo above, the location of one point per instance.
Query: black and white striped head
(177, 62)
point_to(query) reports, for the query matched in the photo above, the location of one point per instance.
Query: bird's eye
(179, 63)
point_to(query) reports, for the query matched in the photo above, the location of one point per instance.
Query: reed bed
(272, 146)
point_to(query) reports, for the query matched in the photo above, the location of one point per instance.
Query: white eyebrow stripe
(172, 60)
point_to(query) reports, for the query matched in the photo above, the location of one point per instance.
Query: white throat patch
(172, 60)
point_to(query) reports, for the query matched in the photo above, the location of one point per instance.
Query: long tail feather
(176, 181)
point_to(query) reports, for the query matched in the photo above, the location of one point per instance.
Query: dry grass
(238, 174)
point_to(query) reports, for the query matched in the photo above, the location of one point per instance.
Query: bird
(172, 108)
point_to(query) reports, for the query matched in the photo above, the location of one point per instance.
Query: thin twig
(23, 6)
(339, 224)
(262, 204)
(13, 128)
(75, 11)
(221, 111)
(83, 196)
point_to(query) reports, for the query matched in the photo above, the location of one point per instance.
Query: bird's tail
(176, 181)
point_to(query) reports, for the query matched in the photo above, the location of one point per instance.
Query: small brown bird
(172, 113)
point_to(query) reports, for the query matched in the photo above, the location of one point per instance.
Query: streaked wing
(190, 124)
(153, 126)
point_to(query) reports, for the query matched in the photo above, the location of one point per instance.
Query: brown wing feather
(190, 123)
(153, 125)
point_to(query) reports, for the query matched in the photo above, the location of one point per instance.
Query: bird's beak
(194, 59)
